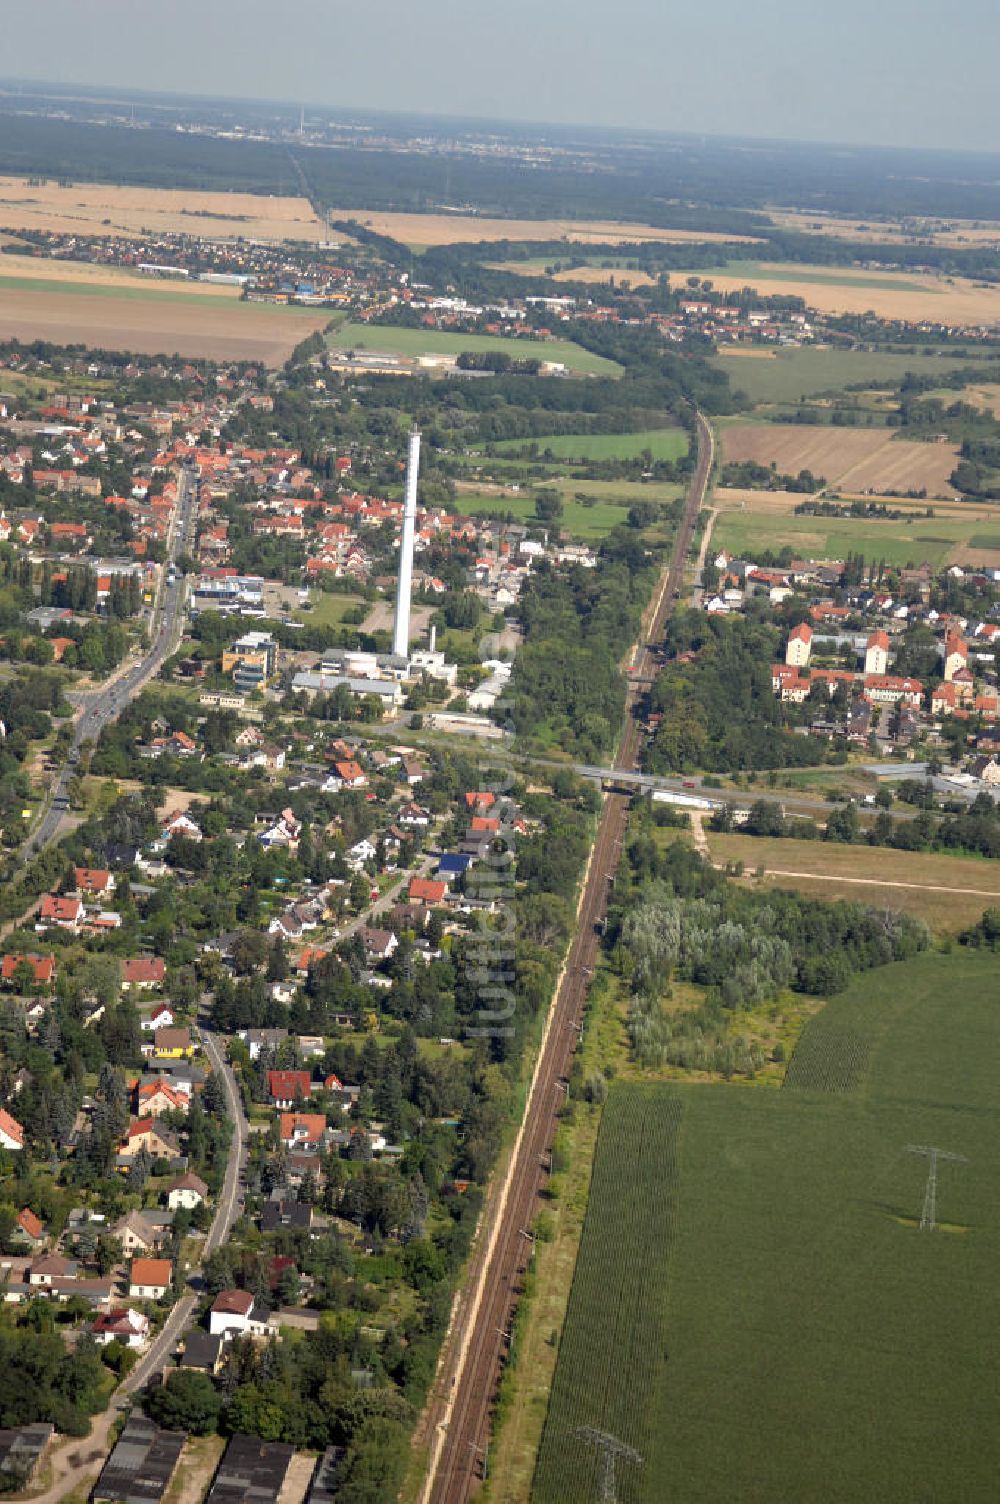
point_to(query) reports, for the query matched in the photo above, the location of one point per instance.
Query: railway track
(459, 1416)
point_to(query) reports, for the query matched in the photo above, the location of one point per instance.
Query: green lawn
(328, 608)
(401, 341)
(584, 520)
(663, 444)
(897, 542)
(790, 374)
(796, 1335)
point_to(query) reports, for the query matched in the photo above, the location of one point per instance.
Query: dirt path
(881, 882)
(698, 832)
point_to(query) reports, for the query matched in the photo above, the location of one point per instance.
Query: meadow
(604, 505)
(662, 443)
(755, 1309)
(898, 543)
(810, 370)
(399, 341)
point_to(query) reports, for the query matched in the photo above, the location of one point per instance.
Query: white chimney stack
(401, 631)
(433, 637)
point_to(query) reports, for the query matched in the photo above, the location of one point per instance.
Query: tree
(188, 1401)
(548, 506)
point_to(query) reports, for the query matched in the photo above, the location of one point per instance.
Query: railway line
(458, 1420)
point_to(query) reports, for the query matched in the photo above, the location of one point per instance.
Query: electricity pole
(609, 1450)
(928, 1218)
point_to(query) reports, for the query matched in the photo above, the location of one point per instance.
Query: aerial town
(499, 773)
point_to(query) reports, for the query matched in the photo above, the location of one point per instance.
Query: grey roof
(324, 1482)
(201, 1350)
(141, 1466)
(21, 1448)
(251, 1472)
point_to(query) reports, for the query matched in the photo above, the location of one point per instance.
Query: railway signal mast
(610, 1450)
(933, 1155)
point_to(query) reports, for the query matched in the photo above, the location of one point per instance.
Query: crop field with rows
(613, 1352)
(756, 1310)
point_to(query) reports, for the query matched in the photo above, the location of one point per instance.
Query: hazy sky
(899, 72)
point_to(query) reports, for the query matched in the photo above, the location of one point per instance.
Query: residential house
(149, 1279)
(95, 881)
(43, 969)
(188, 1192)
(29, 1230)
(136, 1235)
(379, 944)
(285, 1088)
(302, 1130)
(142, 973)
(426, 890)
(203, 1352)
(11, 1132)
(956, 655)
(62, 913)
(172, 1044)
(877, 653)
(178, 823)
(235, 1312)
(799, 647)
(122, 1324)
(145, 1134)
(153, 1098)
(162, 1017)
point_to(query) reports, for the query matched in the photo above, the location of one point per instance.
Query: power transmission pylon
(610, 1450)
(928, 1218)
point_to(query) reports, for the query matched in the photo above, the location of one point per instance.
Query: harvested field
(85, 276)
(926, 231)
(947, 892)
(422, 230)
(942, 300)
(102, 209)
(154, 322)
(851, 459)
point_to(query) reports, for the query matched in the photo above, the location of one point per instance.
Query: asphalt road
(104, 705)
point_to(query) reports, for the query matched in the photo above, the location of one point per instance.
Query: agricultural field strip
(216, 330)
(105, 209)
(865, 459)
(793, 1273)
(614, 1327)
(422, 230)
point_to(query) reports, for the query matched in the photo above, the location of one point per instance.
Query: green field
(755, 1308)
(399, 341)
(662, 443)
(985, 540)
(146, 290)
(587, 521)
(759, 271)
(896, 542)
(328, 608)
(810, 371)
